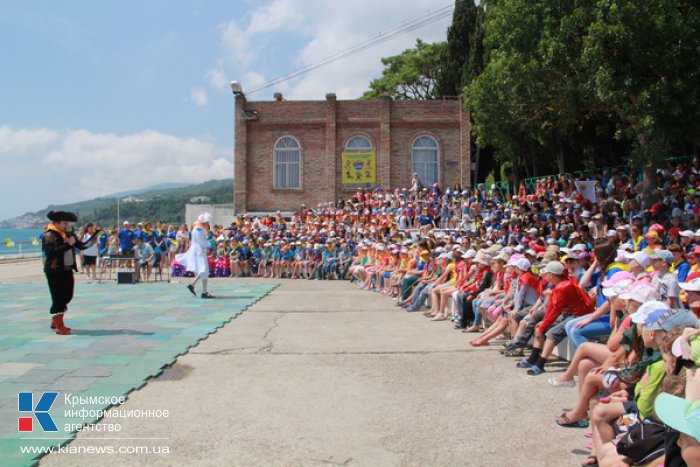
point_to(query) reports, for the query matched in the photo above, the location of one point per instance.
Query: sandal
(588, 463)
(564, 421)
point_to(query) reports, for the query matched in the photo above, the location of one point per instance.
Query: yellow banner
(359, 167)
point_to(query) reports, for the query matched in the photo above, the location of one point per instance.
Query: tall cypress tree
(459, 37)
(462, 63)
(475, 62)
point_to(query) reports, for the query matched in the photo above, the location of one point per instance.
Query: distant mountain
(160, 186)
(165, 202)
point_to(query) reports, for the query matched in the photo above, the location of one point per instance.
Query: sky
(102, 97)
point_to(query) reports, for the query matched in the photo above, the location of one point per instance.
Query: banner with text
(359, 167)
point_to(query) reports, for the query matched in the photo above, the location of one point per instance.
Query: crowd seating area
(553, 263)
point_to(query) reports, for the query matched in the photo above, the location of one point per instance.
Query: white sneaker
(561, 384)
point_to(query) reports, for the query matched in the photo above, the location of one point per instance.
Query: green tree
(475, 64)
(552, 116)
(588, 80)
(411, 74)
(462, 63)
(454, 72)
(529, 101)
(644, 57)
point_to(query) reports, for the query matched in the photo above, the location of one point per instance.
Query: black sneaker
(207, 295)
(191, 289)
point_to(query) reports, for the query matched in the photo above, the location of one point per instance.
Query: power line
(392, 33)
(382, 38)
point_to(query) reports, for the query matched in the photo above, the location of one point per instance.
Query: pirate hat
(58, 216)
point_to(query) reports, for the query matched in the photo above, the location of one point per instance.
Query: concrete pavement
(321, 373)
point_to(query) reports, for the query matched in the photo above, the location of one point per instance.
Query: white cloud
(325, 28)
(252, 80)
(244, 41)
(14, 143)
(236, 42)
(71, 165)
(217, 77)
(339, 27)
(198, 96)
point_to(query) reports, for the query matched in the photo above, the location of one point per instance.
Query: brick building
(293, 152)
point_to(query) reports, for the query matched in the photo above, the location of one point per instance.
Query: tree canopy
(558, 75)
(462, 50)
(554, 84)
(411, 74)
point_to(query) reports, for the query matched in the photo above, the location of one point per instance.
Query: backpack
(643, 442)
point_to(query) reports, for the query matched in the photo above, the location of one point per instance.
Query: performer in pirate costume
(59, 245)
(195, 258)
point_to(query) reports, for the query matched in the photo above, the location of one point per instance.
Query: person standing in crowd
(103, 239)
(182, 237)
(416, 184)
(159, 245)
(58, 247)
(195, 259)
(79, 255)
(90, 253)
(126, 239)
(113, 244)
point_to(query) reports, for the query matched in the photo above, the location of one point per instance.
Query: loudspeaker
(126, 278)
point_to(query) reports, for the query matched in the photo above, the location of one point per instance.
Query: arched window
(426, 160)
(287, 163)
(358, 144)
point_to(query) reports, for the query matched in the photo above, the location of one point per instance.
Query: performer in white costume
(195, 258)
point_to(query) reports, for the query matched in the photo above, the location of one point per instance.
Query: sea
(16, 242)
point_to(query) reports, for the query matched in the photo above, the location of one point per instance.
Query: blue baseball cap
(662, 254)
(666, 320)
(649, 308)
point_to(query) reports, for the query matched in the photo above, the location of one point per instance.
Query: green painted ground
(122, 335)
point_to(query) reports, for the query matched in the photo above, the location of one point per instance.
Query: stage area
(123, 335)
